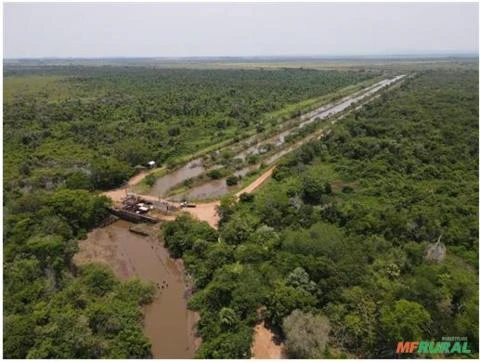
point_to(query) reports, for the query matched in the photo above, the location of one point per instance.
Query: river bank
(168, 323)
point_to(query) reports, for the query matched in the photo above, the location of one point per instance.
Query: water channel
(218, 188)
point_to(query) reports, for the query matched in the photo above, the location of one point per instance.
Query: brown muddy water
(168, 323)
(208, 190)
(165, 183)
(211, 189)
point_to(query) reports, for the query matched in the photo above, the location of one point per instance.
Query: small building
(152, 164)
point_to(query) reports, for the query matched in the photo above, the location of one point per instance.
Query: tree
(130, 343)
(251, 253)
(405, 321)
(246, 197)
(226, 209)
(134, 152)
(109, 172)
(306, 334)
(215, 174)
(98, 278)
(228, 345)
(79, 180)
(313, 189)
(238, 229)
(19, 335)
(150, 180)
(299, 278)
(266, 236)
(228, 318)
(354, 317)
(232, 180)
(79, 208)
(284, 300)
(181, 234)
(66, 335)
(49, 250)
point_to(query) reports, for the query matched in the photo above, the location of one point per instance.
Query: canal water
(318, 114)
(219, 188)
(211, 189)
(165, 183)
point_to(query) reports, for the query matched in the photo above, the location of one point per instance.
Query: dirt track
(206, 212)
(255, 184)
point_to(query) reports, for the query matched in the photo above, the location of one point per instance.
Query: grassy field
(48, 87)
(256, 63)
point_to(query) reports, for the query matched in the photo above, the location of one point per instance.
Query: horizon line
(440, 54)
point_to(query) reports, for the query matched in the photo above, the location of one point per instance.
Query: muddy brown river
(168, 323)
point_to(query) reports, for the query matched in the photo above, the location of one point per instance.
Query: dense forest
(90, 126)
(361, 240)
(52, 309)
(71, 131)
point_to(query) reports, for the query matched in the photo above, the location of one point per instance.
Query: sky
(35, 30)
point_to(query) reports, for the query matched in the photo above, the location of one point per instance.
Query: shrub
(150, 180)
(215, 174)
(232, 180)
(246, 197)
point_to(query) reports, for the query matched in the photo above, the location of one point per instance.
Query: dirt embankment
(265, 344)
(206, 212)
(117, 194)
